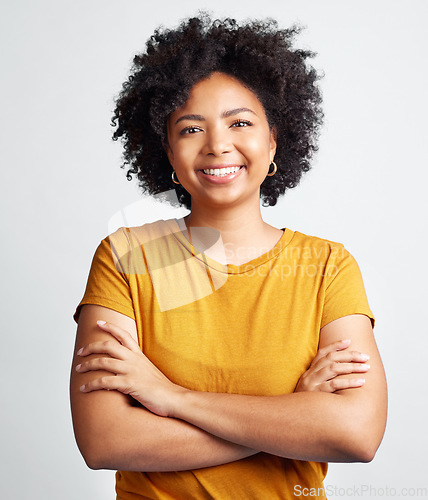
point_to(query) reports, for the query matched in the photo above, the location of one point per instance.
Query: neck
(232, 223)
(242, 229)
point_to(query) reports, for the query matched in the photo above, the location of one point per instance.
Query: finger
(108, 382)
(335, 346)
(346, 356)
(107, 364)
(335, 369)
(123, 336)
(338, 384)
(110, 347)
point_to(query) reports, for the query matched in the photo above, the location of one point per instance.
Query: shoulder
(300, 238)
(330, 258)
(130, 247)
(141, 233)
(308, 246)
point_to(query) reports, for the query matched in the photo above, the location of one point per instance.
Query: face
(220, 143)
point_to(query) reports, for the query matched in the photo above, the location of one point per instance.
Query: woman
(255, 339)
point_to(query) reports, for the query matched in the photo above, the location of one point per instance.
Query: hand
(131, 371)
(330, 362)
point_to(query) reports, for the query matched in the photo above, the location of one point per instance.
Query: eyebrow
(225, 114)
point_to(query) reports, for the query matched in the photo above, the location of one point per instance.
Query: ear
(272, 143)
(169, 153)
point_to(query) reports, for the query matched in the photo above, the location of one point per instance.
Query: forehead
(219, 92)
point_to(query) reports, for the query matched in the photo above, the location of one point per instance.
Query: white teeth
(221, 172)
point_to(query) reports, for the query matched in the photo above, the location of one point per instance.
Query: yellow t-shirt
(249, 329)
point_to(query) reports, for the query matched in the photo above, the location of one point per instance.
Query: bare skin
(232, 208)
(321, 425)
(142, 440)
(338, 410)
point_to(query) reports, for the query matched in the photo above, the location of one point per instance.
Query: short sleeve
(107, 286)
(345, 293)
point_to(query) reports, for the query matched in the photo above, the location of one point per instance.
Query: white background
(61, 64)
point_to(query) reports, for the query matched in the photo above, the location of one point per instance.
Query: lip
(220, 180)
(222, 165)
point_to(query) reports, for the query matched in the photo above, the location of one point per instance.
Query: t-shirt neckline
(177, 226)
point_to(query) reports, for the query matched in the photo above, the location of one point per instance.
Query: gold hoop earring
(275, 168)
(173, 180)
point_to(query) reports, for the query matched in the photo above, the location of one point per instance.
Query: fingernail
(346, 341)
(79, 352)
(82, 388)
(100, 322)
(361, 381)
(78, 367)
(366, 357)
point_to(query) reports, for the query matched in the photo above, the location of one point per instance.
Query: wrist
(177, 402)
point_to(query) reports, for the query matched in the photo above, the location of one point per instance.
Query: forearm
(303, 426)
(132, 438)
(112, 434)
(343, 426)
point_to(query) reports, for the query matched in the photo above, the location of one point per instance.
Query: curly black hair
(259, 55)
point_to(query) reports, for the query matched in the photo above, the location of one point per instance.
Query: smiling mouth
(221, 172)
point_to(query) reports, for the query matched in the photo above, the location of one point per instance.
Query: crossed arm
(332, 417)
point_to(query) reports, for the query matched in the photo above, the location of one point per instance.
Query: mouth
(223, 171)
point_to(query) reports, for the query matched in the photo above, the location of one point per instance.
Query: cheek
(257, 150)
(182, 158)
(186, 148)
(185, 158)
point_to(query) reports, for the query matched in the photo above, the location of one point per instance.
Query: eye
(241, 123)
(190, 130)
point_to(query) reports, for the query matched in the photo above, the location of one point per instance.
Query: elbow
(97, 446)
(95, 465)
(370, 441)
(362, 435)
(95, 453)
(93, 458)
(365, 454)
(363, 445)
(354, 451)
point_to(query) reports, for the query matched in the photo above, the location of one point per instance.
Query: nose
(218, 142)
